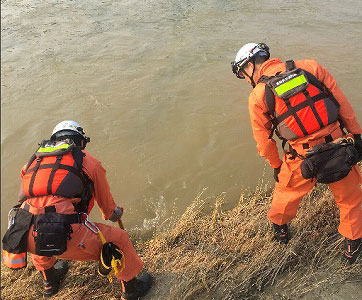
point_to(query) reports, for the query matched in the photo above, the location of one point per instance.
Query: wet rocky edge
(216, 254)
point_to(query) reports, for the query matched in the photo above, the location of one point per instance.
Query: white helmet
(247, 53)
(68, 128)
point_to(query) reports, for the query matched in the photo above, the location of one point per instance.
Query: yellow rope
(118, 265)
(101, 236)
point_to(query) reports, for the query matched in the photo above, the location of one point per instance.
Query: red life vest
(54, 169)
(299, 104)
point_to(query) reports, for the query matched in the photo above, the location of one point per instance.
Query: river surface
(150, 82)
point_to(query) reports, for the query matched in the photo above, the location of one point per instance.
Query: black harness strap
(61, 166)
(38, 161)
(290, 65)
(52, 174)
(294, 113)
(284, 142)
(328, 138)
(27, 206)
(70, 219)
(32, 158)
(312, 106)
(300, 106)
(48, 209)
(313, 80)
(270, 100)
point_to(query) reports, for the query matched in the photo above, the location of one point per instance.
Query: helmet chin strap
(252, 82)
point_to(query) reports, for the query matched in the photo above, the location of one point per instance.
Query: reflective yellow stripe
(51, 149)
(287, 86)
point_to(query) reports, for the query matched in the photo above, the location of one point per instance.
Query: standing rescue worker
(301, 102)
(60, 188)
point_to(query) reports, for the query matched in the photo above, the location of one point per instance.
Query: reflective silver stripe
(14, 261)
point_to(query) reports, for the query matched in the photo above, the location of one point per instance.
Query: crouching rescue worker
(301, 102)
(59, 186)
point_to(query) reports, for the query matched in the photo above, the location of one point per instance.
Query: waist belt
(328, 138)
(294, 153)
(69, 218)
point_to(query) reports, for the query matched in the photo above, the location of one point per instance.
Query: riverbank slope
(215, 254)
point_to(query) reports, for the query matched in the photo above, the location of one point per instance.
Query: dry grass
(221, 255)
(232, 255)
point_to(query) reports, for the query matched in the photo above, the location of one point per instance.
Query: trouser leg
(288, 192)
(348, 195)
(86, 246)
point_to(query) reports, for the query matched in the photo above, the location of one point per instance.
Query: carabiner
(90, 225)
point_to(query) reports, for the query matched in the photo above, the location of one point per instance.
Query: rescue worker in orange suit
(254, 64)
(84, 244)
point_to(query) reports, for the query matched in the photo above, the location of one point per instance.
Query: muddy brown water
(150, 82)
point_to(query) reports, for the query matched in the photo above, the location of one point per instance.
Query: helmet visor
(237, 68)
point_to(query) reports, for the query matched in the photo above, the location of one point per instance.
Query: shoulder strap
(78, 157)
(265, 79)
(52, 174)
(88, 185)
(32, 158)
(290, 65)
(313, 80)
(38, 161)
(270, 100)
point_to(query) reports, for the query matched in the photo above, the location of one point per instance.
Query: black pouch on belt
(329, 162)
(15, 240)
(51, 233)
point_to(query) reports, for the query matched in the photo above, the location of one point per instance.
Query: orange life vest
(298, 103)
(54, 169)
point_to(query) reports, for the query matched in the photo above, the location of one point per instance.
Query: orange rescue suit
(292, 186)
(85, 245)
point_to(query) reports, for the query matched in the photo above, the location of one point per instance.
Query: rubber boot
(281, 233)
(352, 248)
(53, 276)
(136, 287)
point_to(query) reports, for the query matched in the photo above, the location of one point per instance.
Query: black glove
(117, 214)
(358, 144)
(276, 173)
